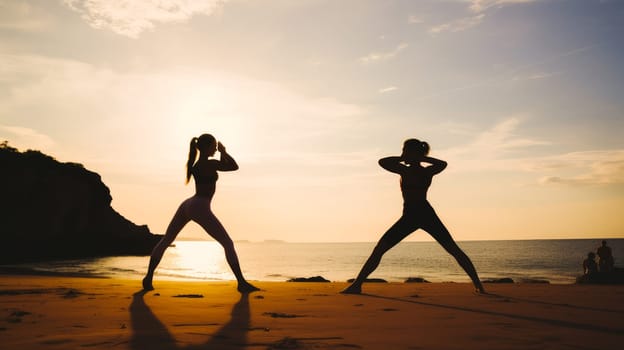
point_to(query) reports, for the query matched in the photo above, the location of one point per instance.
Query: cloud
(513, 74)
(22, 16)
(25, 138)
(132, 17)
(585, 168)
(500, 148)
(105, 117)
(478, 8)
(495, 148)
(502, 137)
(388, 89)
(413, 19)
(382, 56)
(535, 76)
(483, 5)
(459, 25)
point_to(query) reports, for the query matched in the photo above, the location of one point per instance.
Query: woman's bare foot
(246, 287)
(352, 289)
(479, 288)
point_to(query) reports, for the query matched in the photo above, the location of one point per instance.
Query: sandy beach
(47, 312)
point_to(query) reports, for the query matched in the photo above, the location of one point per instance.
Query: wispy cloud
(23, 137)
(501, 148)
(413, 19)
(535, 76)
(387, 89)
(514, 73)
(494, 148)
(602, 167)
(497, 148)
(382, 56)
(458, 25)
(478, 9)
(132, 17)
(22, 16)
(482, 5)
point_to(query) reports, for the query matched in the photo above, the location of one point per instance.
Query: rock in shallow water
(416, 280)
(308, 279)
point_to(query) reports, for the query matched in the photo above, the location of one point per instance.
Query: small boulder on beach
(308, 279)
(416, 280)
(499, 280)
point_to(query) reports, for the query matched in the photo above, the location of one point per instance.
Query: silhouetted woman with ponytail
(197, 208)
(417, 212)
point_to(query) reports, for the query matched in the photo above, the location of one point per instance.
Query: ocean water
(558, 261)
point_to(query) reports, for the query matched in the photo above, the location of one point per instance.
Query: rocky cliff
(53, 210)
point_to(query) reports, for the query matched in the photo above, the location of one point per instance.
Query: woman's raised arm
(437, 165)
(226, 162)
(392, 164)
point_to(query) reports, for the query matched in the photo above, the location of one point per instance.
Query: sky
(523, 98)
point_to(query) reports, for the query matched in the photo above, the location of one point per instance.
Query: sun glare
(201, 261)
(203, 107)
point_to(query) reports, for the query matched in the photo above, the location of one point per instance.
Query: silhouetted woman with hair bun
(417, 212)
(197, 208)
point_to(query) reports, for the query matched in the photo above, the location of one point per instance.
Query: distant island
(53, 210)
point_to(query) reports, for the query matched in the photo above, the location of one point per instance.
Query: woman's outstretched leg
(392, 237)
(178, 222)
(438, 231)
(213, 227)
(370, 265)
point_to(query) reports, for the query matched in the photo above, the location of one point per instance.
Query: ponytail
(191, 158)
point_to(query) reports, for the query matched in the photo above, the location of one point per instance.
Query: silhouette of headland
(53, 210)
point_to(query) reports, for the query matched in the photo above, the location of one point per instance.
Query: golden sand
(43, 312)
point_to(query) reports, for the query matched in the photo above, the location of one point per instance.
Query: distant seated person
(605, 257)
(589, 265)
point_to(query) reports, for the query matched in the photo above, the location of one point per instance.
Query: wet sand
(50, 312)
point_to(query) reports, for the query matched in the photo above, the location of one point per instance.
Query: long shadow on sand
(546, 303)
(148, 332)
(546, 321)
